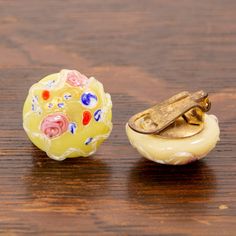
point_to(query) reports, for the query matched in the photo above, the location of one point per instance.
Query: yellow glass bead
(67, 115)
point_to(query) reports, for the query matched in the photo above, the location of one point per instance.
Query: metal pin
(180, 116)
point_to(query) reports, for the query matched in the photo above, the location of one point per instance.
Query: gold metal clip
(178, 117)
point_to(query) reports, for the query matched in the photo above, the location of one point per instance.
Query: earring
(67, 115)
(177, 131)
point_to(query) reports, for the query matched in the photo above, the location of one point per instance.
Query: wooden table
(143, 52)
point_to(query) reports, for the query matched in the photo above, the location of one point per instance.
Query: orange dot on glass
(45, 94)
(86, 117)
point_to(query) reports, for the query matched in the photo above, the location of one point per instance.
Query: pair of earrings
(69, 115)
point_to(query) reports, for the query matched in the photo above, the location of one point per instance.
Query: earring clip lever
(179, 116)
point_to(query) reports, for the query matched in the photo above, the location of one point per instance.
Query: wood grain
(143, 52)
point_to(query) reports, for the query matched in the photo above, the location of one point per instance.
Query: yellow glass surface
(65, 99)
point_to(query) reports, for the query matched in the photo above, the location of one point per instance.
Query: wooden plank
(143, 52)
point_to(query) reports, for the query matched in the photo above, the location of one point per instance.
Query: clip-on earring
(67, 114)
(177, 131)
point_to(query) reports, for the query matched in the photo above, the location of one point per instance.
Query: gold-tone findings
(178, 117)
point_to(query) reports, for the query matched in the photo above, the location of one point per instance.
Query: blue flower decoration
(50, 83)
(89, 99)
(98, 115)
(72, 127)
(60, 105)
(88, 141)
(67, 96)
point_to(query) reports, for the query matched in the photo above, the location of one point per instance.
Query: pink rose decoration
(54, 125)
(74, 78)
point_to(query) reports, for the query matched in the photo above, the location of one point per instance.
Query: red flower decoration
(45, 94)
(86, 117)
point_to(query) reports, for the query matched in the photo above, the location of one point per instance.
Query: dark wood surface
(143, 52)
